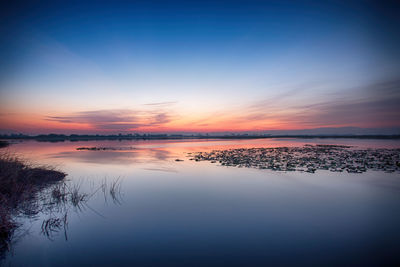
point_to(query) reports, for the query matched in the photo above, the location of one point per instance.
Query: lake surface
(187, 213)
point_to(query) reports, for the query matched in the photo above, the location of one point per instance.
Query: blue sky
(298, 62)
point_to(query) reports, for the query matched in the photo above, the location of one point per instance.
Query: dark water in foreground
(201, 214)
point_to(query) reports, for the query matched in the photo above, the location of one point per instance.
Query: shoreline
(72, 138)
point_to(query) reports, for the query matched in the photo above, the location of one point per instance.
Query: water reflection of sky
(196, 213)
(139, 150)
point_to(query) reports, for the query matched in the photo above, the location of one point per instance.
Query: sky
(198, 66)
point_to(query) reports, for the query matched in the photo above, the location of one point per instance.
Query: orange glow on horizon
(38, 124)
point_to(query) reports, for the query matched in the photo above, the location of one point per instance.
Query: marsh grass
(67, 196)
(30, 191)
(20, 183)
(115, 191)
(54, 225)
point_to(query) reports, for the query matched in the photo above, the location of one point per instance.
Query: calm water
(201, 214)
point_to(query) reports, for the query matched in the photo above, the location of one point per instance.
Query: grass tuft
(20, 182)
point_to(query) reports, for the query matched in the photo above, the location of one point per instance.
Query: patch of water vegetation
(308, 158)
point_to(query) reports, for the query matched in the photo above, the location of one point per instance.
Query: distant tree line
(146, 136)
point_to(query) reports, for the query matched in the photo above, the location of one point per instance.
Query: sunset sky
(198, 66)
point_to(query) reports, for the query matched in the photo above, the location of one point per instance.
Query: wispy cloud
(97, 116)
(168, 103)
(286, 95)
(120, 119)
(372, 105)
